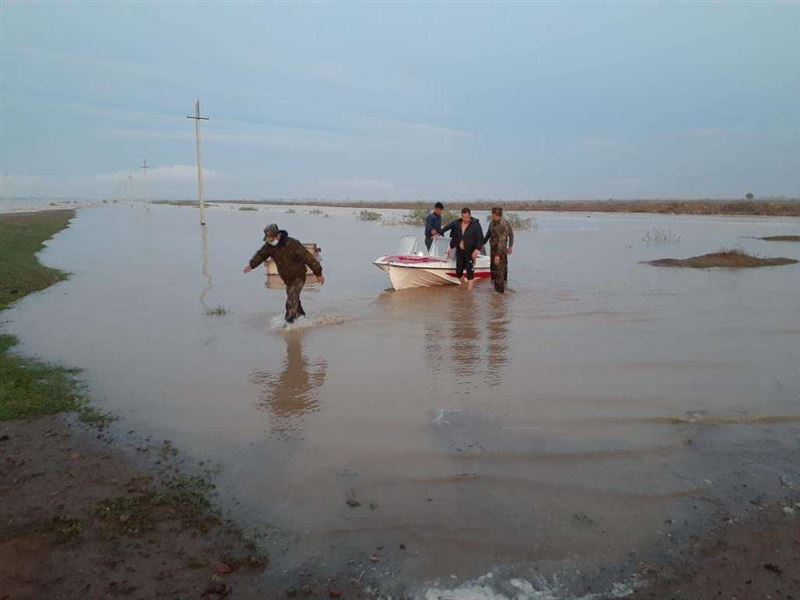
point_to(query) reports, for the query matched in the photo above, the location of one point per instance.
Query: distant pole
(197, 118)
(145, 166)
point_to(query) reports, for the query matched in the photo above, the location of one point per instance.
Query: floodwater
(542, 433)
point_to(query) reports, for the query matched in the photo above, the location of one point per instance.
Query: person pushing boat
(500, 236)
(291, 258)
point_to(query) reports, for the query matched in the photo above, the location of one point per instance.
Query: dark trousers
(428, 243)
(499, 271)
(464, 263)
(294, 308)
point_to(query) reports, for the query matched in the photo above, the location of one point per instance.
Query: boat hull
(406, 272)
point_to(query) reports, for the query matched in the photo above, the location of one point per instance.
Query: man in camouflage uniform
(500, 236)
(291, 258)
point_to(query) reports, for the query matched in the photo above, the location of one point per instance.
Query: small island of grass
(727, 259)
(781, 238)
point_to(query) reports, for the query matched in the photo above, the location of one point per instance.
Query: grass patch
(517, 222)
(247, 208)
(21, 237)
(416, 216)
(369, 215)
(63, 529)
(781, 238)
(291, 211)
(217, 311)
(184, 498)
(729, 259)
(29, 388)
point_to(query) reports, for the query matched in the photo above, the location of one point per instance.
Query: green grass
(186, 498)
(369, 215)
(217, 311)
(29, 388)
(416, 216)
(247, 208)
(21, 237)
(518, 223)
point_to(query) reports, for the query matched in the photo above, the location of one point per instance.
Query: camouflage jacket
(500, 236)
(290, 256)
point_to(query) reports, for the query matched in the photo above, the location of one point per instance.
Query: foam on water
(489, 587)
(279, 324)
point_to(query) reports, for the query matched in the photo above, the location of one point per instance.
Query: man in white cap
(291, 258)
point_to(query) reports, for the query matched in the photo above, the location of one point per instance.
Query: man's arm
(451, 225)
(429, 228)
(510, 237)
(488, 234)
(259, 257)
(479, 238)
(309, 259)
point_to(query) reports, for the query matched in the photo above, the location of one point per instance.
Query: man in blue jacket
(433, 224)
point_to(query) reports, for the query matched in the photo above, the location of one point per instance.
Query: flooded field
(426, 438)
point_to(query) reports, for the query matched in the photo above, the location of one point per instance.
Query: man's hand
(474, 254)
(510, 250)
(321, 279)
(497, 260)
(247, 269)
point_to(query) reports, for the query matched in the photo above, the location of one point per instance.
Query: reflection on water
(497, 345)
(294, 392)
(461, 329)
(206, 272)
(465, 337)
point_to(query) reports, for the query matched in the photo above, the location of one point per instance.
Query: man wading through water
(291, 258)
(501, 243)
(467, 240)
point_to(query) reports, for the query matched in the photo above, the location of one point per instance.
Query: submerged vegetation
(217, 311)
(517, 222)
(369, 215)
(417, 214)
(730, 259)
(30, 388)
(658, 235)
(247, 208)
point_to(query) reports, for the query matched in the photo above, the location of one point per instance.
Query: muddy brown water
(560, 424)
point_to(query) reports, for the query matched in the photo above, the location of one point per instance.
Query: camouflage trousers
(499, 271)
(294, 308)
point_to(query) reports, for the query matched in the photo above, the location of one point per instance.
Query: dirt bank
(758, 557)
(727, 259)
(79, 521)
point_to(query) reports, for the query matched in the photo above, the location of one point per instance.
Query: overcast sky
(539, 100)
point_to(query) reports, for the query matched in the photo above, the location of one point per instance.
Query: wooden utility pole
(197, 118)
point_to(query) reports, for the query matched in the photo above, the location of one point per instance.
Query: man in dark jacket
(467, 240)
(433, 224)
(291, 258)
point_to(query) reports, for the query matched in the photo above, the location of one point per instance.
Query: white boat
(412, 268)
